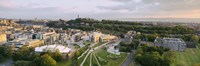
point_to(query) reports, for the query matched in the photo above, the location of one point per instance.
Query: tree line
(5, 53)
(154, 56)
(27, 57)
(119, 27)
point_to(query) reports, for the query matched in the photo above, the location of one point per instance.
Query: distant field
(189, 57)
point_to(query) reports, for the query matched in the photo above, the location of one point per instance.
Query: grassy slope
(81, 59)
(189, 57)
(87, 62)
(103, 54)
(64, 63)
(94, 62)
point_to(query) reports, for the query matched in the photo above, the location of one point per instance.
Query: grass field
(64, 63)
(94, 61)
(87, 62)
(189, 57)
(82, 58)
(103, 54)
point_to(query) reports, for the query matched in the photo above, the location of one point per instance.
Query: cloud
(6, 4)
(98, 8)
(156, 5)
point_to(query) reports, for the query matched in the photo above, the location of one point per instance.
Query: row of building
(176, 44)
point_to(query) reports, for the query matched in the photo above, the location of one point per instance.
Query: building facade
(176, 44)
(3, 39)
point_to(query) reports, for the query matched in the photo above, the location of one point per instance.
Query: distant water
(186, 20)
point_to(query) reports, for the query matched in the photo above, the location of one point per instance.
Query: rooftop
(169, 40)
(53, 48)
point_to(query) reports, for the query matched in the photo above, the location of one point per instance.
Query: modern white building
(113, 50)
(53, 48)
(176, 44)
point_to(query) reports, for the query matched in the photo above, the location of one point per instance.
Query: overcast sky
(68, 9)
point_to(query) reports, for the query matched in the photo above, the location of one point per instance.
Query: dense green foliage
(24, 53)
(125, 47)
(27, 56)
(5, 52)
(154, 56)
(57, 55)
(22, 63)
(44, 60)
(80, 51)
(119, 27)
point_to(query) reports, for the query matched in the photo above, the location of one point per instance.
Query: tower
(78, 16)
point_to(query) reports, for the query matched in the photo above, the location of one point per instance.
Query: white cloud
(96, 8)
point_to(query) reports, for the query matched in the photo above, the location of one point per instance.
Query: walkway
(129, 59)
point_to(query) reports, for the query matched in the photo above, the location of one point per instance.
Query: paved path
(87, 54)
(83, 54)
(96, 59)
(91, 50)
(128, 59)
(91, 59)
(85, 58)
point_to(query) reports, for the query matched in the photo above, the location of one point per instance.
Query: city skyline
(65, 9)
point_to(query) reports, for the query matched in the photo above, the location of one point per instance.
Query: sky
(69, 9)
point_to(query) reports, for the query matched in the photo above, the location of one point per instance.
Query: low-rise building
(3, 39)
(65, 51)
(99, 37)
(18, 43)
(176, 44)
(128, 37)
(94, 37)
(105, 38)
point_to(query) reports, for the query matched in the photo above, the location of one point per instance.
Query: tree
(138, 58)
(10, 50)
(4, 53)
(22, 63)
(46, 60)
(23, 53)
(169, 56)
(49, 52)
(122, 35)
(153, 56)
(37, 61)
(57, 55)
(151, 59)
(151, 37)
(122, 43)
(195, 38)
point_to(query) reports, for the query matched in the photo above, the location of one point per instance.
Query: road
(128, 59)
(93, 49)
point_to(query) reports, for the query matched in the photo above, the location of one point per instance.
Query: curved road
(128, 59)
